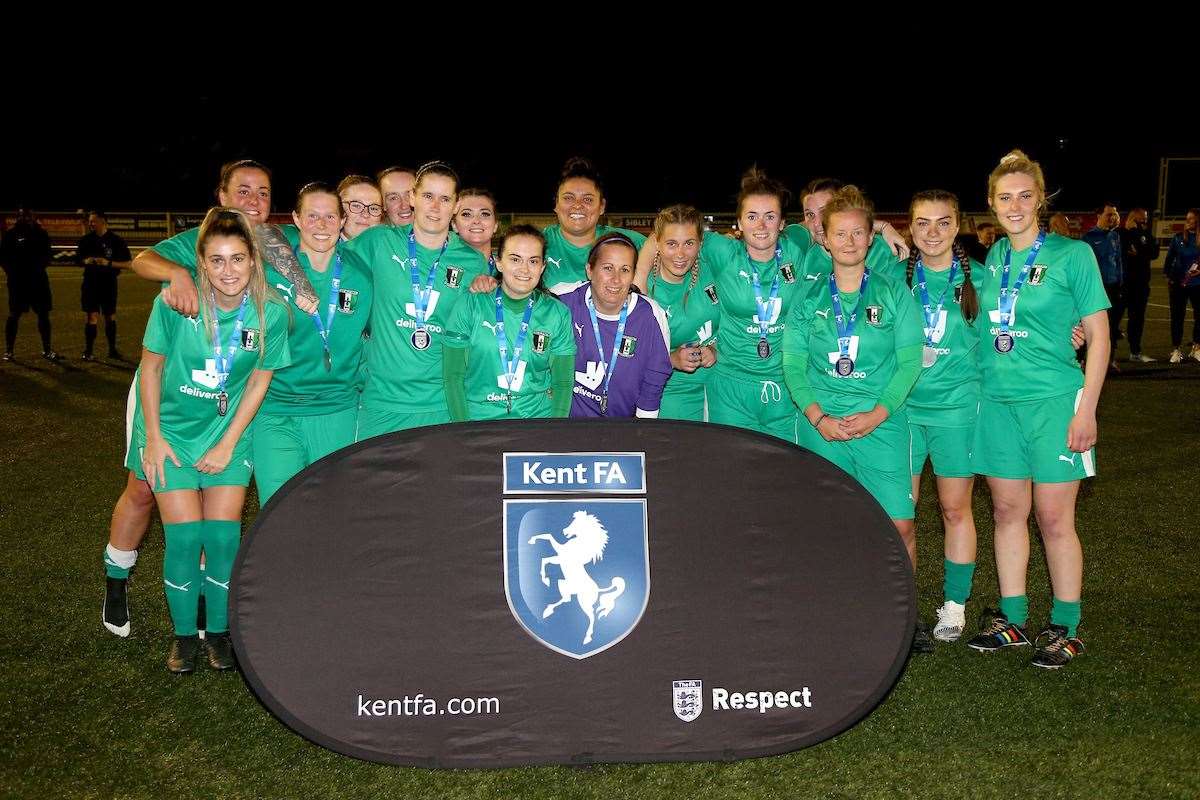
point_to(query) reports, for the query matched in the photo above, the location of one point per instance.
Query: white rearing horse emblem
(584, 540)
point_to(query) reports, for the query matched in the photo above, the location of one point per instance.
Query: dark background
(168, 159)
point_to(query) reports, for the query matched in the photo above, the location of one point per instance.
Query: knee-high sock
(110, 333)
(221, 540)
(44, 330)
(89, 337)
(181, 573)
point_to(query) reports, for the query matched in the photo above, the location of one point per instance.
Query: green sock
(1016, 608)
(221, 540)
(1065, 613)
(181, 573)
(956, 586)
(117, 563)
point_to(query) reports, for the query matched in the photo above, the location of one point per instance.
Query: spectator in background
(1182, 267)
(985, 237)
(1105, 241)
(1060, 224)
(101, 253)
(24, 255)
(1138, 248)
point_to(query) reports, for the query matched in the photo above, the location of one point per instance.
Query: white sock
(125, 559)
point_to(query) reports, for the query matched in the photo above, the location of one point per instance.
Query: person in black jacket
(1140, 249)
(101, 253)
(24, 255)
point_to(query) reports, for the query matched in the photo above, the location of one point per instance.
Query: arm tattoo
(278, 253)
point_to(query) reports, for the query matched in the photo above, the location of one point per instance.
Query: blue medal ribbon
(844, 325)
(932, 314)
(225, 360)
(764, 309)
(612, 362)
(510, 367)
(421, 294)
(1008, 298)
(324, 329)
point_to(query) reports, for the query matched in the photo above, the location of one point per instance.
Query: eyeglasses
(358, 207)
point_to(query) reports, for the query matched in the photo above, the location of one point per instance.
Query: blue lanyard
(931, 315)
(491, 266)
(323, 330)
(612, 361)
(510, 367)
(845, 327)
(225, 362)
(1007, 299)
(421, 294)
(764, 309)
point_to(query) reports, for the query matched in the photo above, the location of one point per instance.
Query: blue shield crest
(576, 572)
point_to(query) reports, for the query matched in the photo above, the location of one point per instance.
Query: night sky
(169, 161)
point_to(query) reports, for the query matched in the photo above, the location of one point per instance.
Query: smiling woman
(311, 408)
(510, 352)
(188, 439)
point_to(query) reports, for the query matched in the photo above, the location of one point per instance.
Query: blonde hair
(1017, 163)
(848, 198)
(678, 214)
(231, 222)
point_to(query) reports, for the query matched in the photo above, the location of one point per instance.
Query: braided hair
(969, 302)
(678, 214)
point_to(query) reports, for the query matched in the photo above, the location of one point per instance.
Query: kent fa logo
(789, 274)
(250, 337)
(628, 346)
(347, 300)
(687, 699)
(711, 292)
(875, 315)
(1036, 275)
(454, 277)
(576, 571)
(540, 340)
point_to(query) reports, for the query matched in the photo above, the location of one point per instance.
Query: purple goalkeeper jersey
(643, 359)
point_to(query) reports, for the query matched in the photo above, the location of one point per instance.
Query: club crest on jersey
(628, 346)
(875, 315)
(1036, 275)
(540, 340)
(711, 292)
(250, 338)
(347, 300)
(454, 277)
(789, 274)
(577, 568)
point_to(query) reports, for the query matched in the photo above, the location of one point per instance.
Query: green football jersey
(947, 393)
(306, 387)
(693, 314)
(401, 374)
(191, 380)
(180, 248)
(886, 320)
(739, 330)
(473, 326)
(1063, 286)
(566, 262)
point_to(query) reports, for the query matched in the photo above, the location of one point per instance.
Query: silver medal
(928, 356)
(222, 404)
(1004, 342)
(420, 339)
(844, 366)
(764, 349)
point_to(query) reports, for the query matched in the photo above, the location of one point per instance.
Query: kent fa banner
(569, 591)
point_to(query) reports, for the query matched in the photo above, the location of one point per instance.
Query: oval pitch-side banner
(567, 591)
